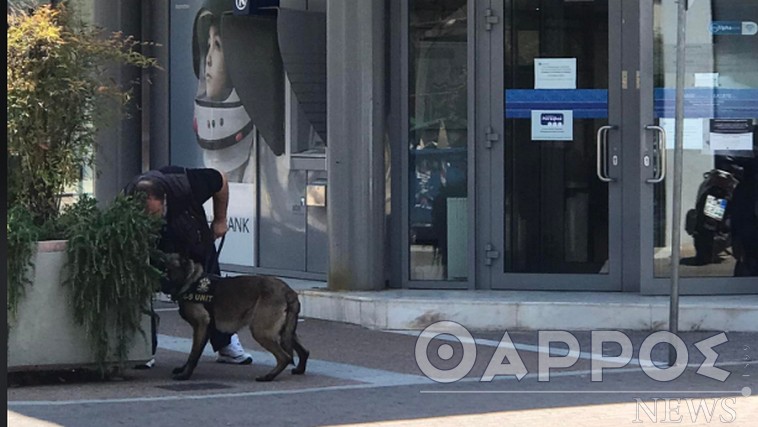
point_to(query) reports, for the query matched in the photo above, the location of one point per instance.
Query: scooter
(709, 223)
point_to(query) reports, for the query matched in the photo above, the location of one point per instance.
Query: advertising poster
(552, 125)
(209, 124)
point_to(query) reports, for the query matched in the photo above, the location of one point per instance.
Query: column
(356, 132)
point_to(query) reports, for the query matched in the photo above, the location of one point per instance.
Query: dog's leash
(220, 246)
(217, 253)
(208, 265)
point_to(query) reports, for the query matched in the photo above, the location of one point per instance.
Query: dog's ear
(174, 266)
(187, 265)
(173, 260)
(191, 267)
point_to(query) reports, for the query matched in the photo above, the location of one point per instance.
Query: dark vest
(186, 231)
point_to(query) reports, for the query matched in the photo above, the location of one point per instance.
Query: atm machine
(292, 226)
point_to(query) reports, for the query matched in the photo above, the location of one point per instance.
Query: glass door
(553, 151)
(719, 216)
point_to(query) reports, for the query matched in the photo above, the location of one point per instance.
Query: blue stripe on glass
(714, 103)
(586, 103)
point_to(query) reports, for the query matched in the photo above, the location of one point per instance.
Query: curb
(404, 310)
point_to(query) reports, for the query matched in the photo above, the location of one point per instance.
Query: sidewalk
(407, 309)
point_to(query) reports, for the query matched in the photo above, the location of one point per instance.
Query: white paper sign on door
(555, 73)
(706, 79)
(694, 133)
(552, 125)
(731, 134)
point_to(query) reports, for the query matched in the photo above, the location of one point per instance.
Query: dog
(267, 305)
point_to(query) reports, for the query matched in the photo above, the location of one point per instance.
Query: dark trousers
(218, 339)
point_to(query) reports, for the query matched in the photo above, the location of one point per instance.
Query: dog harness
(200, 291)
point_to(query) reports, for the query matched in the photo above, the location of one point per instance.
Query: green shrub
(22, 237)
(60, 93)
(110, 276)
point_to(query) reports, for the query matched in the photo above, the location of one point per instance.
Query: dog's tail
(290, 323)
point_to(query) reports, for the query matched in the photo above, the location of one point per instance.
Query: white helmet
(224, 131)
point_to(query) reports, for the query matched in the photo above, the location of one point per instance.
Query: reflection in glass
(556, 209)
(719, 185)
(437, 140)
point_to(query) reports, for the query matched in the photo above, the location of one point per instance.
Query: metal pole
(678, 154)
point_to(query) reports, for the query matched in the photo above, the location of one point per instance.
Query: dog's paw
(298, 371)
(178, 370)
(183, 376)
(265, 378)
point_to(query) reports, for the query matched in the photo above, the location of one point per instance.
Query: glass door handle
(602, 147)
(661, 151)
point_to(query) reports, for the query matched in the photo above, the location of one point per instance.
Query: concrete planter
(44, 334)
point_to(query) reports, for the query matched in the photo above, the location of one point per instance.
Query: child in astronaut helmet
(223, 127)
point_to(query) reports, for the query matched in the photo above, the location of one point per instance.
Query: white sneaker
(147, 365)
(234, 353)
(160, 296)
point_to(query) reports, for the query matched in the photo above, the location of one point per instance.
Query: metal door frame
(490, 174)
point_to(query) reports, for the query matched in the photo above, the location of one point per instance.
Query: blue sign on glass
(551, 119)
(720, 28)
(734, 28)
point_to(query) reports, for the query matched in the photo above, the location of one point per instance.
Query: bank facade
(461, 144)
